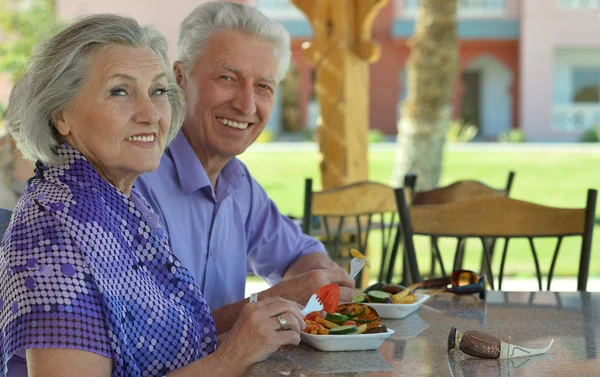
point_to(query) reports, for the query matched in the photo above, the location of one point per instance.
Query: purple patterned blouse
(83, 266)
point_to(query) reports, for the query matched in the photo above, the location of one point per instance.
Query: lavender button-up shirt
(224, 235)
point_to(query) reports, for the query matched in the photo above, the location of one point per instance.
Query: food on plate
(380, 293)
(358, 255)
(348, 319)
(329, 295)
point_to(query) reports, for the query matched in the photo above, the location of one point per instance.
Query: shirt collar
(189, 169)
(191, 173)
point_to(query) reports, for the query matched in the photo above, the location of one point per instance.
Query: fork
(313, 305)
(356, 265)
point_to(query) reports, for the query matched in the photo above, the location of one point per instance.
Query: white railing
(575, 118)
(278, 9)
(467, 8)
(578, 4)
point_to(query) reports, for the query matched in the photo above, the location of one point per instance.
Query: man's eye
(118, 92)
(267, 87)
(227, 78)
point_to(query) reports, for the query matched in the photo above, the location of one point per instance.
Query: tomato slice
(312, 316)
(330, 297)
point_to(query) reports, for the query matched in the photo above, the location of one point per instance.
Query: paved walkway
(509, 284)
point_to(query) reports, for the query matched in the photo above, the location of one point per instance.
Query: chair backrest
(4, 221)
(457, 192)
(461, 191)
(502, 217)
(347, 215)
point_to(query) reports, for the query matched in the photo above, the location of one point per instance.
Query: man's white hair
(215, 16)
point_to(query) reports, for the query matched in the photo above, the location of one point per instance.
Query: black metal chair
(501, 217)
(457, 192)
(344, 217)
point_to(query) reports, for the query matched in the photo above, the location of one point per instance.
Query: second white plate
(398, 311)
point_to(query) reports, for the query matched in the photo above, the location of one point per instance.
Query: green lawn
(549, 178)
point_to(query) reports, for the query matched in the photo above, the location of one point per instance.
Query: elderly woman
(88, 284)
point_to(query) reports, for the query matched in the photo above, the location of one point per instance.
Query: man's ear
(61, 125)
(179, 74)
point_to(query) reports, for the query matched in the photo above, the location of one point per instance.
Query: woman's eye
(118, 92)
(160, 91)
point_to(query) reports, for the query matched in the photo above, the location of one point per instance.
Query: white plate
(358, 342)
(398, 311)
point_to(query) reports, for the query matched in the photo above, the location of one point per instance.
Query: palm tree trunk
(426, 112)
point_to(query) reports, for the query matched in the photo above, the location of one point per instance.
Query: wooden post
(341, 51)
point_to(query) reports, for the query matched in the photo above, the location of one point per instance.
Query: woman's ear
(60, 123)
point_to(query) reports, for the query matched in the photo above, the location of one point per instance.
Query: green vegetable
(360, 312)
(376, 286)
(336, 318)
(379, 297)
(343, 330)
(361, 321)
(359, 298)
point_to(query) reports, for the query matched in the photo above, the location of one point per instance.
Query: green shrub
(592, 135)
(459, 132)
(376, 136)
(309, 134)
(515, 135)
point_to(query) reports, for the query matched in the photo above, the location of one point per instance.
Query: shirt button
(212, 252)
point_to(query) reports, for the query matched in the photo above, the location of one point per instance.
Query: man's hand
(319, 270)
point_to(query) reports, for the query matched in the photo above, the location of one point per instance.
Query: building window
(578, 4)
(477, 8)
(586, 85)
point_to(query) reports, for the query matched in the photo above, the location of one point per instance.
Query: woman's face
(120, 118)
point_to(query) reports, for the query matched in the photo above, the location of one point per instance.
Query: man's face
(229, 94)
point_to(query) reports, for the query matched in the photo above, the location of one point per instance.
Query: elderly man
(220, 222)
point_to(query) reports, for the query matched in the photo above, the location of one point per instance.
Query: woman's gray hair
(213, 17)
(58, 68)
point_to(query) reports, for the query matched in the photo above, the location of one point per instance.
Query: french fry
(405, 293)
(398, 297)
(362, 328)
(410, 299)
(310, 325)
(358, 255)
(325, 323)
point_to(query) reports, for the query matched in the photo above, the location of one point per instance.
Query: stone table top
(419, 345)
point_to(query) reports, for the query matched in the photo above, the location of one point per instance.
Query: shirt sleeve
(275, 241)
(48, 297)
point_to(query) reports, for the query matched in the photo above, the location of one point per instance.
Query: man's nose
(244, 100)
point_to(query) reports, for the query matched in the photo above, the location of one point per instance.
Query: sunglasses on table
(459, 282)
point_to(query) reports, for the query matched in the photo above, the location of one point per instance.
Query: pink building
(560, 65)
(533, 65)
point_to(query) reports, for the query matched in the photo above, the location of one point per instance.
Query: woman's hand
(257, 332)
